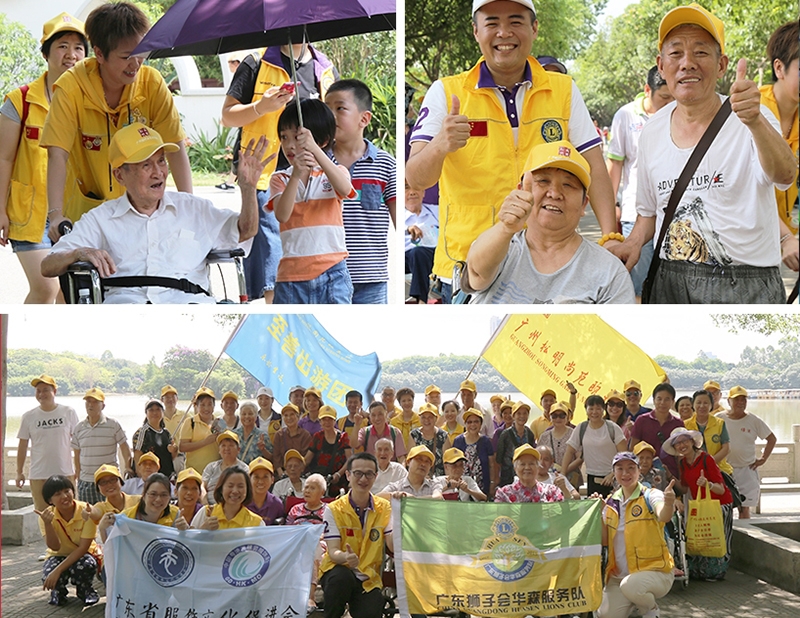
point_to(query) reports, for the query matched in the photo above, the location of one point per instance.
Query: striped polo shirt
(366, 217)
(313, 237)
(97, 444)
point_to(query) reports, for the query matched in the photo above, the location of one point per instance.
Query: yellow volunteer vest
(166, 520)
(71, 533)
(352, 432)
(245, 518)
(477, 178)
(195, 430)
(270, 75)
(645, 547)
(786, 199)
(370, 547)
(405, 427)
(711, 436)
(26, 204)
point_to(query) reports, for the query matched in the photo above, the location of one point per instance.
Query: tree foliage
(613, 69)
(20, 59)
(439, 39)
(764, 323)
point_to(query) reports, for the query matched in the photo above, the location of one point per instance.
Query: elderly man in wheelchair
(150, 245)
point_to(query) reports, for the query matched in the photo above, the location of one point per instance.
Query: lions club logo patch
(552, 131)
(507, 556)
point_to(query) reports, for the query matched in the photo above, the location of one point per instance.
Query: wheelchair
(82, 284)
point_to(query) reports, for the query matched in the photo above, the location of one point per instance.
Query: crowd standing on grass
(663, 462)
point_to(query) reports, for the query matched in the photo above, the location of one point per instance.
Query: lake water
(779, 414)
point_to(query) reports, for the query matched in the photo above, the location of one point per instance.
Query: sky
(392, 332)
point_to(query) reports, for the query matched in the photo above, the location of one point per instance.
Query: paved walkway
(738, 595)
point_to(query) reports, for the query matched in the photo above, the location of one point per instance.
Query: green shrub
(212, 154)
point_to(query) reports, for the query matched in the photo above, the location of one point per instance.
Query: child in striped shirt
(307, 200)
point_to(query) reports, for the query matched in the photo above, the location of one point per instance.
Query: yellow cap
(468, 385)
(472, 412)
(327, 412)
(227, 435)
(643, 446)
(107, 470)
(204, 391)
(168, 389)
(737, 391)
(526, 449)
(632, 384)
(692, 14)
(452, 455)
(136, 143)
(420, 450)
(562, 155)
(259, 463)
(429, 407)
(497, 398)
(313, 391)
(549, 391)
(95, 393)
(560, 406)
(292, 407)
(44, 379)
(60, 23)
(149, 457)
(507, 403)
(189, 473)
(615, 394)
(292, 454)
(519, 405)
(230, 394)
(711, 385)
(432, 388)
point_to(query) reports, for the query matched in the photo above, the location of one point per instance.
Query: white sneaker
(653, 613)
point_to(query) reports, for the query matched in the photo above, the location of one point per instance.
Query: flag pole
(488, 343)
(208, 373)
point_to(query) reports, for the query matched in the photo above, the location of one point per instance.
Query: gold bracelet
(612, 236)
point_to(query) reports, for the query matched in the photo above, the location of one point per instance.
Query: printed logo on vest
(507, 556)
(552, 131)
(168, 562)
(92, 142)
(636, 511)
(374, 535)
(32, 132)
(245, 565)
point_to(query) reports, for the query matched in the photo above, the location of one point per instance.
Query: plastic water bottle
(83, 297)
(430, 234)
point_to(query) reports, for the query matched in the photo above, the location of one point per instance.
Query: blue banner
(160, 572)
(283, 350)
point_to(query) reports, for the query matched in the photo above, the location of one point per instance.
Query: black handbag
(680, 186)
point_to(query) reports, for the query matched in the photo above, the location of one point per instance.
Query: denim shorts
(375, 293)
(333, 287)
(19, 246)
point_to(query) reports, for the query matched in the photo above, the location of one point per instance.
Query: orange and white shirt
(313, 237)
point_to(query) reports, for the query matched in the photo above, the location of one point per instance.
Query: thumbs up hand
(745, 96)
(455, 128)
(351, 558)
(702, 481)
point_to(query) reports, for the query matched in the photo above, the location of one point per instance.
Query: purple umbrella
(211, 27)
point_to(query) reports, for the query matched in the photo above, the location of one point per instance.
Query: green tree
(20, 59)
(764, 323)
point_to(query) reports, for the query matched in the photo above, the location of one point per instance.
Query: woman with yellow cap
(23, 164)
(428, 434)
(329, 451)
(188, 489)
(264, 504)
(109, 483)
(478, 451)
(233, 491)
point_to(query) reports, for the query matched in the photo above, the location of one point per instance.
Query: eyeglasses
(615, 404)
(558, 415)
(632, 393)
(359, 474)
(157, 496)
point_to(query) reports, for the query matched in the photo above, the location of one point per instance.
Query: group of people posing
(255, 465)
(727, 232)
(92, 142)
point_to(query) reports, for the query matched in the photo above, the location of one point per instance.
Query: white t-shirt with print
(50, 437)
(743, 433)
(728, 214)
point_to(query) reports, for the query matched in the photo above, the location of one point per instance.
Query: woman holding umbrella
(23, 165)
(92, 102)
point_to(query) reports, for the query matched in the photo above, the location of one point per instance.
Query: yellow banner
(541, 351)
